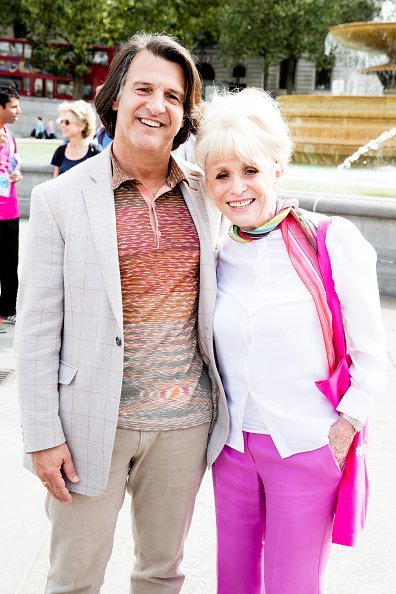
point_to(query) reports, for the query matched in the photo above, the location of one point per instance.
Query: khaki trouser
(162, 470)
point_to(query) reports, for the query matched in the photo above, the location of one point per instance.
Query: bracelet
(357, 425)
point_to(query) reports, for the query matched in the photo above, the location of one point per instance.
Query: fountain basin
(372, 36)
(326, 129)
(368, 37)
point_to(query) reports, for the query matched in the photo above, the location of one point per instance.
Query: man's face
(150, 107)
(9, 114)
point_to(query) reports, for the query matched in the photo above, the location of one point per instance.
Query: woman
(278, 476)
(77, 122)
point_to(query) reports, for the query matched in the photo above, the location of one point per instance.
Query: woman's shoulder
(58, 155)
(337, 224)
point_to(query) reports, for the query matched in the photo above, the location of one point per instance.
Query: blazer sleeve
(39, 327)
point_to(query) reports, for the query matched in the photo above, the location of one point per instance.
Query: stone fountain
(327, 129)
(377, 37)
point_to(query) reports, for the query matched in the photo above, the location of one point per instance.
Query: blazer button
(118, 341)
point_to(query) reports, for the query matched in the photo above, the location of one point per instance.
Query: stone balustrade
(375, 217)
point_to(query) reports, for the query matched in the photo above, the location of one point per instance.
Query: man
(39, 130)
(9, 210)
(118, 384)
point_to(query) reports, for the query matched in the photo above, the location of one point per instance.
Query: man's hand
(48, 465)
(340, 438)
(16, 176)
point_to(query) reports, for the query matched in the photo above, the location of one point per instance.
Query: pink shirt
(8, 205)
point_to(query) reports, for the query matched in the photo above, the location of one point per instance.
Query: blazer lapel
(99, 199)
(194, 198)
(204, 213)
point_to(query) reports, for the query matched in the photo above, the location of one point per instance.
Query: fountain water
(378, 37)
(328, 128)
(372, 145)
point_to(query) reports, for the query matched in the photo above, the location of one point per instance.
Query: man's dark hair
(6, 94)
(166, 47)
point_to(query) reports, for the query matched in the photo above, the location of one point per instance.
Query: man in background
(9, 211)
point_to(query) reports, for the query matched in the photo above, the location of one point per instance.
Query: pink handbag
(351, 507)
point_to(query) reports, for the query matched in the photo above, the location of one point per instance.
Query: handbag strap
(332, 297)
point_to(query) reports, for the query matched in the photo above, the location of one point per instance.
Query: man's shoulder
(87, 173)
(9, 134)
(189, 168)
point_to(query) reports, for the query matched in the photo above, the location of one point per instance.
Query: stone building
(249, 72)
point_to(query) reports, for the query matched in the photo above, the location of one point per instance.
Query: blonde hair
(83, 112)
(248, 125)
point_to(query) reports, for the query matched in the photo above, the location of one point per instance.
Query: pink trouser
(274, 518)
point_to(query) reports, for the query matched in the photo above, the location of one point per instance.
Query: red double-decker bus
(15, 68)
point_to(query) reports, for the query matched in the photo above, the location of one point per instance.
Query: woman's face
(244, 193)
(70, 125)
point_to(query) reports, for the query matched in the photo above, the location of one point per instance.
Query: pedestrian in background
(10, 174)
(50, 129)
(38, 131)
(77, 122)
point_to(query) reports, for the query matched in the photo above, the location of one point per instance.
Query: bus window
(4, 48)
(26, 85)
(38, 87)
(16, 50)
(27, 51)
(98, 57)
(14, 81)
(49, 88)
(64, 87)
(8, 48)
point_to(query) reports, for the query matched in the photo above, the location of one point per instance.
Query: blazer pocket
(66, 373)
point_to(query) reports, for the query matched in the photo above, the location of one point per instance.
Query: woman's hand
(340, 438)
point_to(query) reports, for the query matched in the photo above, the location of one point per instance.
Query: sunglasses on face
(66, 122)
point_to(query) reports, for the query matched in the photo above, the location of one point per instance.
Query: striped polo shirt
(165, 382)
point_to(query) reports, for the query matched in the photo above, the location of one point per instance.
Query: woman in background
(77, 122)
(277, 479)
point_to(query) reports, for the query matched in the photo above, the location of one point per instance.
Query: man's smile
(151, 123)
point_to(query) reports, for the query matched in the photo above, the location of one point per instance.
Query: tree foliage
(193, 23)
(274, 29)
(82, 23)
(285, 29)
(75, 22)
(11, 17)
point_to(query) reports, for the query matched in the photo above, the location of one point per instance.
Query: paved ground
(24, 529)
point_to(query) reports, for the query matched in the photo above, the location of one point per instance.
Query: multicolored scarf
(299, 235)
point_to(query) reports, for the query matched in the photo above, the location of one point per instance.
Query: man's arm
(37, 346)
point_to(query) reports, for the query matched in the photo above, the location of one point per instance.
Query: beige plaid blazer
(69, 331)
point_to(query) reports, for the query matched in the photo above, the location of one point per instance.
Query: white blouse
(269, 342)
